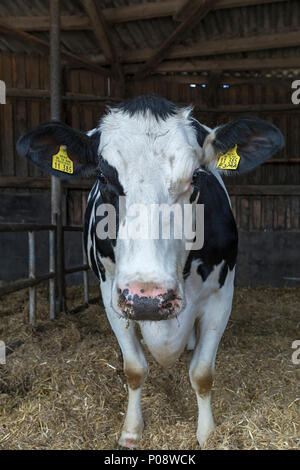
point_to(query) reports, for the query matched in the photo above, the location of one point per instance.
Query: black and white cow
(151, 151)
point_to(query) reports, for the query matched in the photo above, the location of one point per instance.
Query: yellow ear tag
(230, 160)
(61, 161)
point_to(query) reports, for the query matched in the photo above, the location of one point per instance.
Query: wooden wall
(266, 200)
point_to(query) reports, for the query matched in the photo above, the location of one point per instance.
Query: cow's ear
(201, 131)
(60, 150)
(241, 145)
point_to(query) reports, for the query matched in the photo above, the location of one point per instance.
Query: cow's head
(147, 151)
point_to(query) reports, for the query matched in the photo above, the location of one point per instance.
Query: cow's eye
(195, 175)
(102, 178)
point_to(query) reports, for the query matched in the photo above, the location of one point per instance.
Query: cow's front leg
(135, 368)
(212, 324)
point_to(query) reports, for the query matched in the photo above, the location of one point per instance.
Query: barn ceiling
(180, 37)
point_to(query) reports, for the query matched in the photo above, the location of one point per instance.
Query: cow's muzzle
(148, 301)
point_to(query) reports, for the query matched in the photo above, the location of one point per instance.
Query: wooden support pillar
(56, 184)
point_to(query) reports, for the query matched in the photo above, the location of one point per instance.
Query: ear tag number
(61, 161)
(230, 160)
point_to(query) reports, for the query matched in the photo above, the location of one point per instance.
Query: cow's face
(145, 153)
(150, 162)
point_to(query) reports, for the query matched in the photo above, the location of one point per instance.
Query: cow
(150, 151)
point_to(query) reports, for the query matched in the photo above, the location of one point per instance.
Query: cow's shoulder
(220, 232)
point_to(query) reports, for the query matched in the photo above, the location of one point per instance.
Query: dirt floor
(63, 386)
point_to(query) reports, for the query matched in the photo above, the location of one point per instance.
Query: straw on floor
(63, 386)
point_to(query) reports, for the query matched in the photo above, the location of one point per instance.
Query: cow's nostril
(148, 301)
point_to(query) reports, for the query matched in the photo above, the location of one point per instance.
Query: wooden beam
(42, 183)
(103, 36)
(234, 190)
(42, 23)
(31, 93)
(196, 14)
(218, 47)
(264, 190)
(44, 46)
(224, 80)
(182, 12)
(100, 28)
(246, 108)
(221, 65)
(136, 12)
(149, 10)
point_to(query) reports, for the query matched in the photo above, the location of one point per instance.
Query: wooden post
(56, 185)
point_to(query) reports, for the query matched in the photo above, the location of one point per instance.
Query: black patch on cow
(113, 185)
(40, 143)
(201, 132)
(256, 139)
(102, 193)
(223, 274)
(158, 106)
(220, 232)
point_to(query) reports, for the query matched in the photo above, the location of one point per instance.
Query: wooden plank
(7, 128)
(74, 207)
(216, 47)
(31, 93)
(244, 213)
(283, 83)
(43, 46)
(103, 35)
(183, 10)
(255, 222)
(195, 15)
(35, 120)
(264, 190)
(134, 12)
(42, 183)
(268, 213)
(78, 183)
(100, 28)
(295, 210)
(221, 65)
(280, 213)
(20, 118)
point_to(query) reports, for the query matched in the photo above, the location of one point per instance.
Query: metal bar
(52, 271)
(77, 269)
(32, 291)
(25, 283)
(25, 227)
(60, 266)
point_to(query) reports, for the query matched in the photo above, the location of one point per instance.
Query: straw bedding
(63, 386)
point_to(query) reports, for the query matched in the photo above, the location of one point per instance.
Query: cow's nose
(148, 301)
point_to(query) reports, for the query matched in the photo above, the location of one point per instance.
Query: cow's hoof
(129, 440)
(203, 435)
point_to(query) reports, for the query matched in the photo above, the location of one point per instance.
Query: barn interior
(228, 58)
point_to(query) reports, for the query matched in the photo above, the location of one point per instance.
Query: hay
(63, 387)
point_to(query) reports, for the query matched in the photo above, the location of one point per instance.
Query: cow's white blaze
(155, 160)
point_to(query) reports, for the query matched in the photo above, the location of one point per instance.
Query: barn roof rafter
(154, 37)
